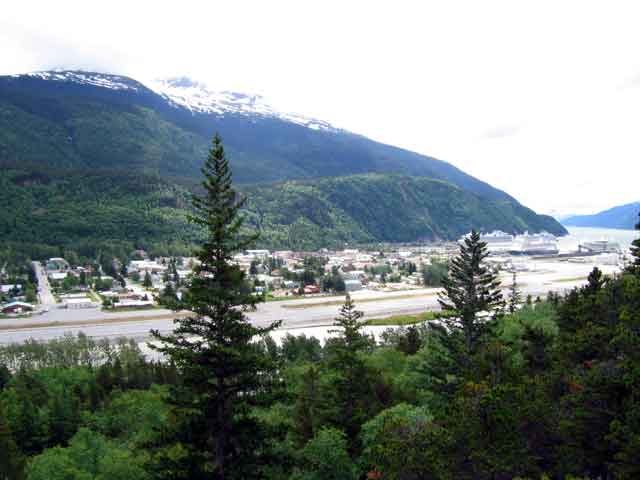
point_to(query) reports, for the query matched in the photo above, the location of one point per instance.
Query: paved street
(45, 296)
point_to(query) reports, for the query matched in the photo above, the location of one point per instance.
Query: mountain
(95, 162)
(53, 212)
(367, 208)
(622, 217)
(73, 119)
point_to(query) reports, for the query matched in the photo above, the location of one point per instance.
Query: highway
(308, 312)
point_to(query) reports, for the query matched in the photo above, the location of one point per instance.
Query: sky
(540, 99)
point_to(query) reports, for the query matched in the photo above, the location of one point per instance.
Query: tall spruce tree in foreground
(223, 370)
(469, 289)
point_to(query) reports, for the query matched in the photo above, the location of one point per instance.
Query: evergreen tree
(223, 371)
(147, 282)
(353, 399)
(635, 253)
(351, 339)
(168, 294)
(469, 289)
(514, 294)
(11, 458)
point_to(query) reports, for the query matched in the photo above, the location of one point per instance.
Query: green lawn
(402, 320)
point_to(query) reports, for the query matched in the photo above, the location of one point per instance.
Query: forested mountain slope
(77, 119)
(116, 212)
(93, 162)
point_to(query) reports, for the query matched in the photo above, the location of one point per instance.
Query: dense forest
(81, 214)
(552, 390)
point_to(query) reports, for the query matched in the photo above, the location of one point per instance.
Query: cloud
(502, 131)
(630, 82)
(44, 50)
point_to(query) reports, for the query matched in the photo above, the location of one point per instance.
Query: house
(146, 266)
(268, 280)
(16, 307)
(57, 276)
(57, 264)
(75, 303)
(354, 275)
(261, 254)
(352, 285)
(8, 288)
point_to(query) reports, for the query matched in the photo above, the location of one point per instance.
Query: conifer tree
(350, 340)
(635, 253)
(223, 371)
(11, 458)
(147, 282)
(352, 390)
(470, 288)
(514, 294)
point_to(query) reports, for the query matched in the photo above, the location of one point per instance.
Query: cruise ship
(543, 243)
(497, 241)
(599, 246)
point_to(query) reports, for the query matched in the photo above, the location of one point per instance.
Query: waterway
(577, 235)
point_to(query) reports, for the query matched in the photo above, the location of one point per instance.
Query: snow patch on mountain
(198, 98)
(182, 92)
(112, 82)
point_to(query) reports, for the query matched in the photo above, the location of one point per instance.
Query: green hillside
(115, 212)
(380, 208)
(71, 125)
(91, 169)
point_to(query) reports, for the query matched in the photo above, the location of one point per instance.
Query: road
(293, 313)
(44, 289)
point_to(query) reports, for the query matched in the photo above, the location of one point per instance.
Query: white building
(76, 303)
(352, 285)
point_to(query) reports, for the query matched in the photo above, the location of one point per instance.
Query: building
(8, 288)
(261, 254)
(354, 275)
(57, 264)
(16, 307)
(133, 304)
(352, 285)
(57, 276)
(76, 303)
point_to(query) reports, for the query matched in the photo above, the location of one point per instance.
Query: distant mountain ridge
(620, 217)
(74, 124)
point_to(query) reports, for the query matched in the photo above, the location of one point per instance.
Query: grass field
(359, 300)
(402, 320)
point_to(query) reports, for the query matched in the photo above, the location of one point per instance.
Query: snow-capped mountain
(182, 92)
(197, 97)
(112, 82)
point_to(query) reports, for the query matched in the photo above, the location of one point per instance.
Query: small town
(141, 283)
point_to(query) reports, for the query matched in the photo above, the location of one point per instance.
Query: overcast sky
(541, 99)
